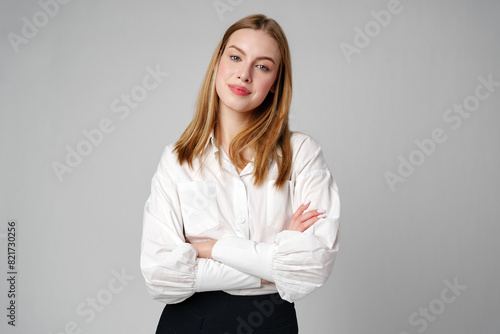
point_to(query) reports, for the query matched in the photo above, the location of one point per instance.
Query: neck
(229, 125)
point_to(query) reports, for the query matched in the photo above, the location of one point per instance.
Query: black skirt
(217, 312)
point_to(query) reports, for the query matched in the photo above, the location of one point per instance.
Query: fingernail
(306, 202)
(321, 211)
(322, 215)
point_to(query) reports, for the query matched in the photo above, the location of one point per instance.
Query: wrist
(208, 248)
(204, 248)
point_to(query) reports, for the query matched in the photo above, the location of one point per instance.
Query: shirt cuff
(211, 275)
(255, 258)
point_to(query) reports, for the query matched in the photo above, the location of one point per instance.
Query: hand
(302, 221)
(204, 248)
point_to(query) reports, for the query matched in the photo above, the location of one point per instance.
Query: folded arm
(299, 261)
(169, 264)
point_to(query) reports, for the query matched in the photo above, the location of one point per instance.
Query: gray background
(399, 246)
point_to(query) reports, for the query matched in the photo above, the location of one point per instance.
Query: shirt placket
(240, 197)
(240, 206)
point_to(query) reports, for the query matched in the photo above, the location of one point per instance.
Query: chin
(241, 110)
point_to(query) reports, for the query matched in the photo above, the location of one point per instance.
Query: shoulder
(169, 155)
(168, 162)
(307, 154)
(303, 144)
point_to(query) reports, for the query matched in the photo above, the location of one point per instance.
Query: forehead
(255, 43)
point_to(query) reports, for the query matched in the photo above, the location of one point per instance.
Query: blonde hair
(267, 131)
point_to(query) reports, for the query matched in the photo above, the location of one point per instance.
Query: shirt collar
(212, 141)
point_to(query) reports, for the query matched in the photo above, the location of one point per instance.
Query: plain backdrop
(374, 81)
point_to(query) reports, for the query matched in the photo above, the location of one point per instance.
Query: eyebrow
(243, 52)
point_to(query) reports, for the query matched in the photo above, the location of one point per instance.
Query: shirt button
(241, 220)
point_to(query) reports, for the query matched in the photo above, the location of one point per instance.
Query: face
(247, 70)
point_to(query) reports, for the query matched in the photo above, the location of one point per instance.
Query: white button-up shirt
(250, 223)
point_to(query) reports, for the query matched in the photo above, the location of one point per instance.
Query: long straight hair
(266, 133)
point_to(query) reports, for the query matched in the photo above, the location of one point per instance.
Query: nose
(245, 75)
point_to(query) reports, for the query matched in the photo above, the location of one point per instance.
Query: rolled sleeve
(304, 261)
(245, 255)
(212, 275)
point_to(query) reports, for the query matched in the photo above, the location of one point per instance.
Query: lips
(239, 90)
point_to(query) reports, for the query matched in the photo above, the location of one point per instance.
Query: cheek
(223, 74)
(223, 71)
(266, 85)
(219, 78)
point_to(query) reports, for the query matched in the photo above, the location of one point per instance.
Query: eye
(235, 58)
(264, 68)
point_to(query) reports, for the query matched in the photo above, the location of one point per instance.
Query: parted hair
(266, 133)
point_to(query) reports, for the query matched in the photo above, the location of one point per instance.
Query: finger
(312, 213)
(301, 209)
(310, 218)
(310, 222)
(293, 225)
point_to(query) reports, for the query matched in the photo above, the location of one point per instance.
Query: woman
(226, 243)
